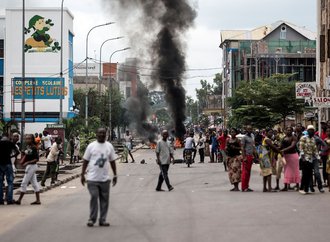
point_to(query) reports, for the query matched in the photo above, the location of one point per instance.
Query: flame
(152, 146)
(178, 143)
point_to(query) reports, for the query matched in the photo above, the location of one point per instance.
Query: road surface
(200, 209)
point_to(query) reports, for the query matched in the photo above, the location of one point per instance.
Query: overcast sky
(202, 41)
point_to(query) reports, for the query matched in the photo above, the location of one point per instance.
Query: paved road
(200, 208)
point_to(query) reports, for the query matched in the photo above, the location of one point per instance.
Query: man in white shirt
(164, 155)
(129, 145)
(190, 145)
(47, 142)
(98, 158)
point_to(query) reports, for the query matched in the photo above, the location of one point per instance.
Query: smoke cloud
(156, 30)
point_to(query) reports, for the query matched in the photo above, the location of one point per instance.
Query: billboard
(320, 102)
(305, 89)
(110, 69)
(39, 88)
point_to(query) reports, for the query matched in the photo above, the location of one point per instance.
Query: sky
(202, 41)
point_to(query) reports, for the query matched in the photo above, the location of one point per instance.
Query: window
(1, 48)
(283, 32)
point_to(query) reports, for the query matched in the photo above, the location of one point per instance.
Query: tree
(264, 103)
(208, 89)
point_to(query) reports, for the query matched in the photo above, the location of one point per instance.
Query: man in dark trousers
(164, 155)
(98, 158)
(6, 169)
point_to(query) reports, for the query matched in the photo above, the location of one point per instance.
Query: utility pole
(23, 76)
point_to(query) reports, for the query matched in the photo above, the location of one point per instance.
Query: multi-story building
(42, 47)
(323, 55)
(281, 47)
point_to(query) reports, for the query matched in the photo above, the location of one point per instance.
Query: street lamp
(86, 95)
(23, 75)
(110, 89)
(100, 74)
(61, 68)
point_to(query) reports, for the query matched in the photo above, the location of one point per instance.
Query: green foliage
(163, 116)
(264, 103)
(209, 89)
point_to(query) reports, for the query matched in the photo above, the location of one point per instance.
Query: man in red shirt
(222, 140)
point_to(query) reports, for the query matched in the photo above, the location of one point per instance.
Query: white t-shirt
(99, 156)
(47, 141)
(189, 143)
(165, 151)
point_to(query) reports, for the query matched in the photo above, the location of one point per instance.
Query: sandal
(17, 202)
(36, 203)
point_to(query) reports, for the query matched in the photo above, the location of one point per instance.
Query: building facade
(323, 54)
(43, 86)
(279, 48)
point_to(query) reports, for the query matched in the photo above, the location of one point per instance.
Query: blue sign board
(39, 88)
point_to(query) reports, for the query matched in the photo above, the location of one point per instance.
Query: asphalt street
(200, 209)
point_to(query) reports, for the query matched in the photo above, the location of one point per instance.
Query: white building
(44, 87)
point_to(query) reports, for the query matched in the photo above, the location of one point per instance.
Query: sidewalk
(67, 172)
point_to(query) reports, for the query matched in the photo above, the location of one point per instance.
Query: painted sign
(39, 88)
(305, 90)
(321, 102)
(40, 40)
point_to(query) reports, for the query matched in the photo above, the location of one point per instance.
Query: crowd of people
(27, 155)
(296, 154)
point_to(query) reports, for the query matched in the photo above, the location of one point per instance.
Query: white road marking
(63, 187)
(73, 187)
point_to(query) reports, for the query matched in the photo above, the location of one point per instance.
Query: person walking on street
(233, 150)
(201, 147)
(6, 170)
(98, 158)
(248, 154)
(15, 139)
(129, 145)
(164, 155)
(308, 153)
(30, 160)
(52, 160)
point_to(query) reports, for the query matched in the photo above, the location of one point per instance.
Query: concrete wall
(39, 64)
(291, 34)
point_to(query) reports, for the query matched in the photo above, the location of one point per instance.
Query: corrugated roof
(261, 32)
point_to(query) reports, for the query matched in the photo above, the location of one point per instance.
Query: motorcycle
(188, 157)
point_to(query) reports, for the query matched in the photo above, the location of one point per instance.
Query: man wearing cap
(309, 154)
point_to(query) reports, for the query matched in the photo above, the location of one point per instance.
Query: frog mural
(40, 40)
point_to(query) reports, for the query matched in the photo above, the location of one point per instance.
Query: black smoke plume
(156, 28)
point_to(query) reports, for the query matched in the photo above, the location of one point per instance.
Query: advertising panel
(305, 90)
(39, 88)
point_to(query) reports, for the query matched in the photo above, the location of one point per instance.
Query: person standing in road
(248, 154)
(164, 155)
(72, 144)
(308, 154)
(222, 140)
(98, 158)
(30, 160)
(233, 149)
(52, 163)
(47, 142)
(76, 149)
(291, 167)
(201, 147)
(6, 169)
(129, 144)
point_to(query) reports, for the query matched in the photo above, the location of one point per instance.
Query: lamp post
(60, 121)
(100, 74)
(23, 76)
(86, 95)
(110, 89)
